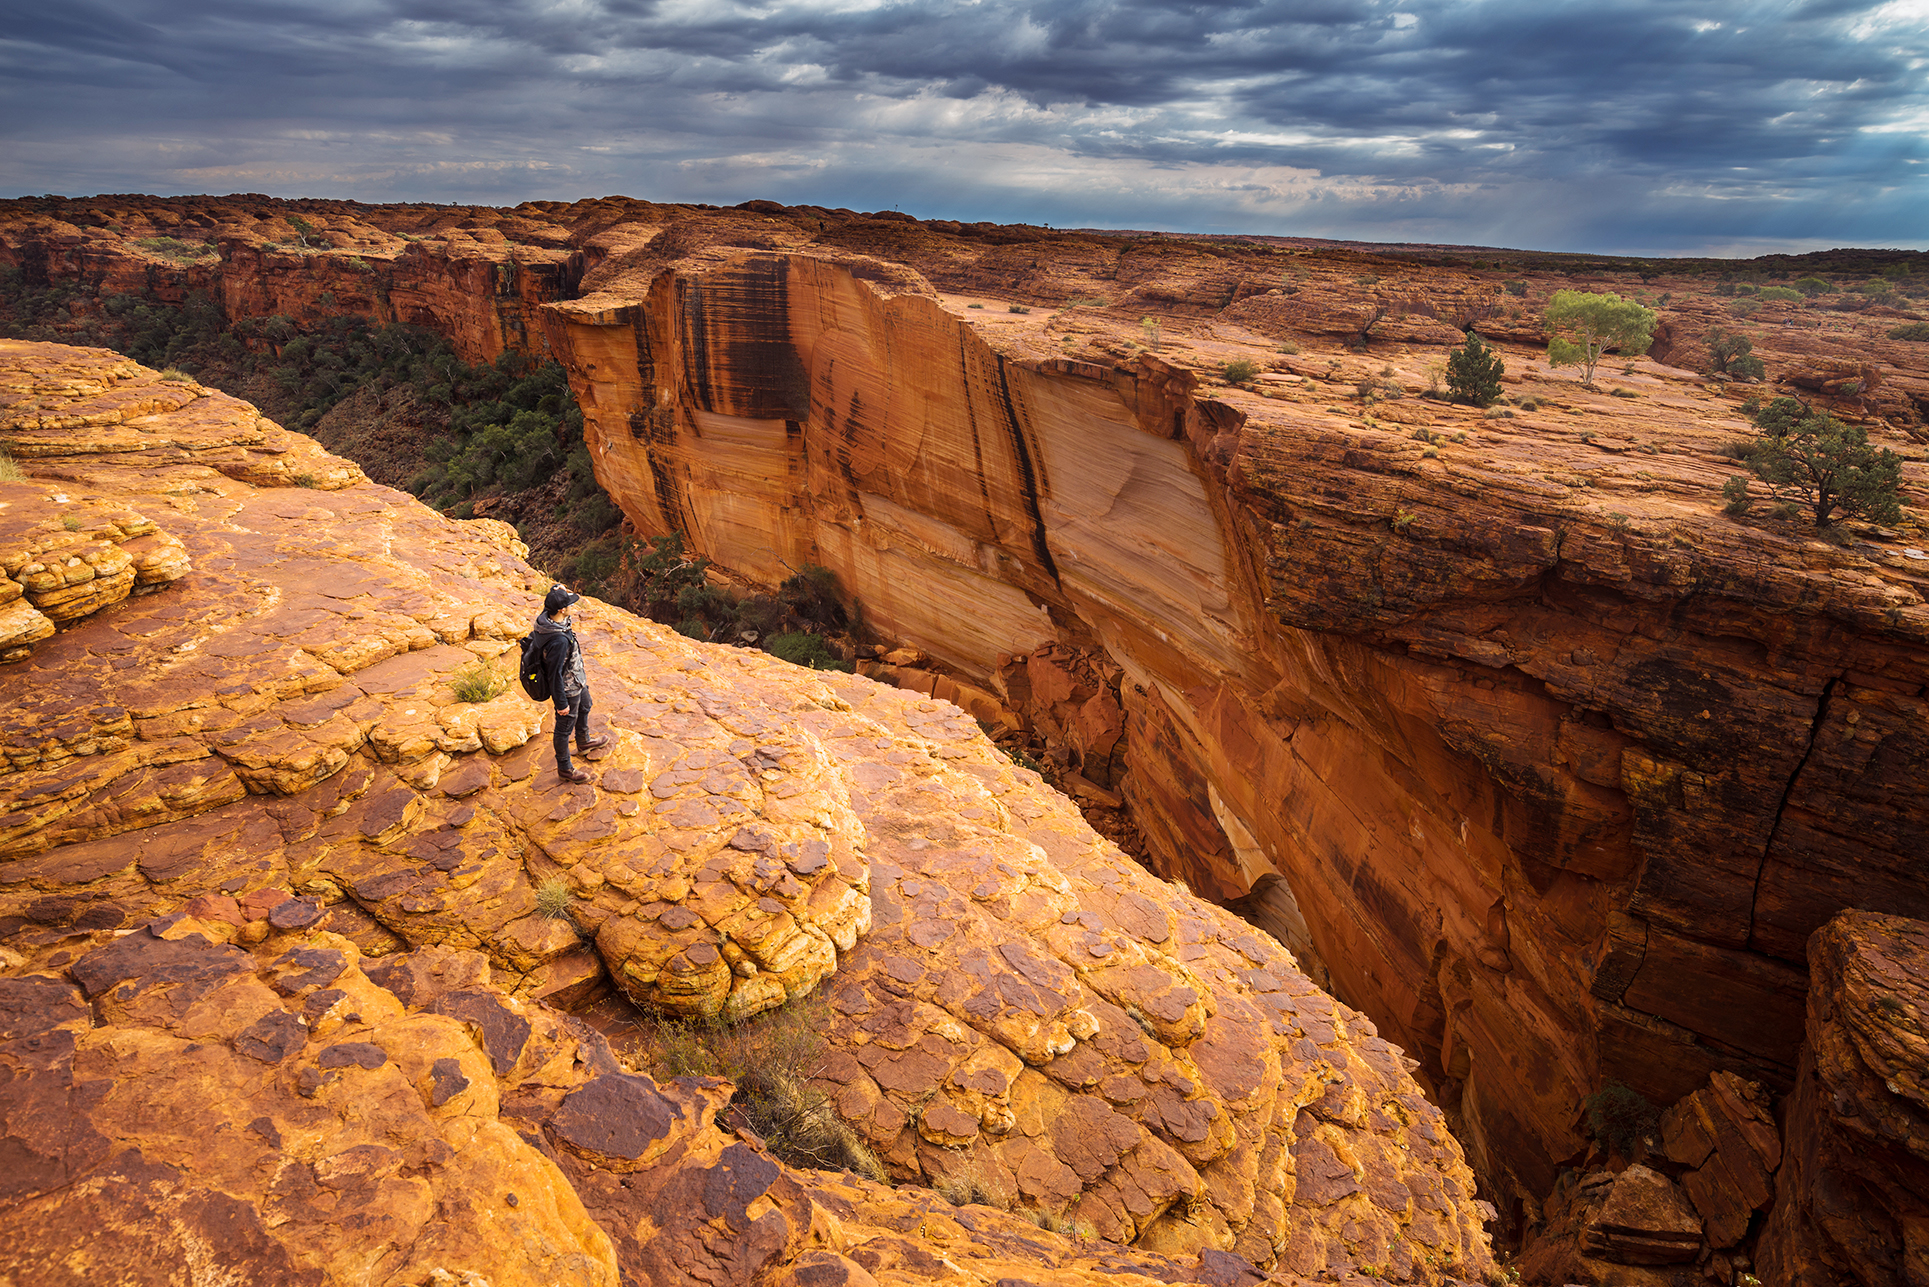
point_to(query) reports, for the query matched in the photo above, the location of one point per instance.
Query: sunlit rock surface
(1497, 722)
(1511, 733)
(1013, 995)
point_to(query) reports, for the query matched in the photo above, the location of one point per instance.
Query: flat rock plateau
(1560, 778)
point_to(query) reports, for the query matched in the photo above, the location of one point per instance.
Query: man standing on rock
(568, 684)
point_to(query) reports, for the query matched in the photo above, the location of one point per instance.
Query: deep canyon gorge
(1520, 745)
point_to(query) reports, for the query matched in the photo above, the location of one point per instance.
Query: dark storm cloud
(1645, 124)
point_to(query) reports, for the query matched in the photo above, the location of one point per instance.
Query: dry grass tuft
(554, 898)
(965, 1189)
(478, 682)
(770, 1057)
(1062, 1222)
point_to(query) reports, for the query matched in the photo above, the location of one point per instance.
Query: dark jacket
(562, 660)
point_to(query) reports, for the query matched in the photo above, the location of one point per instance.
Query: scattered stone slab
(1644, 1221)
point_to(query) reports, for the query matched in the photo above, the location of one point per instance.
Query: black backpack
(533, 673)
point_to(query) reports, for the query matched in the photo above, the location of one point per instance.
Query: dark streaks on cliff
(696, 343)
(977, 441)
(646, 361)
(855, 424)
(737, 328)
(656, 426)
(1021, 450)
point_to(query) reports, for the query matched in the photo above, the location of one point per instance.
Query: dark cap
(558, 598)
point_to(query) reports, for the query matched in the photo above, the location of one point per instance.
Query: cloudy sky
(1642, 126)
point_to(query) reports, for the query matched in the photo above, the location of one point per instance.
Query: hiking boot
(572, 775)
(594, 744)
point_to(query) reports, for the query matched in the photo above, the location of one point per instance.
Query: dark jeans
(576, 719)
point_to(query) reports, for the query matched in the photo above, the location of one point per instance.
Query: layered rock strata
(65, 557)
(481, 275)
(473, 275)
(1852, 1199)
(1493, 719)
(1689, 1206)
(1538, 756)
(1014, 997)
(1632, 1228)
(63, 561)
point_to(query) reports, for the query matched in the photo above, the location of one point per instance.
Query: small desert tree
(1585, 325)
(1814, 458)
(1779, 418)
(671, 583)
(1733, 354)
(1474, 371)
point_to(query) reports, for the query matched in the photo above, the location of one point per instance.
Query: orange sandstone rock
(1510, 736)
(67, 554)
(1014, 995)
(1535, 754)
(1726, 1133)
(1849, 1200)
(296, 1112)
(274, 1116)
(472, 274)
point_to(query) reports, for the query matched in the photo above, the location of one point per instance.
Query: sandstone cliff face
(1510, 733)
(1513, 739)
(475, 275)
(1852, 1205)
(1014, 997)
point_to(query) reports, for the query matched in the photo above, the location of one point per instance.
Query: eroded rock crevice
(1556, 769)
(275, 905)
(1485, 749)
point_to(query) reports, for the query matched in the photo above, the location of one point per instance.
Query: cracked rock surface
(1015, 1001)
(1495, 718)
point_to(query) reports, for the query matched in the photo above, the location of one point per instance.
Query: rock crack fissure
(1781, 804)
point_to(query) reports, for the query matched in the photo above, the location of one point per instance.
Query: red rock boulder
(1853, 1201)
